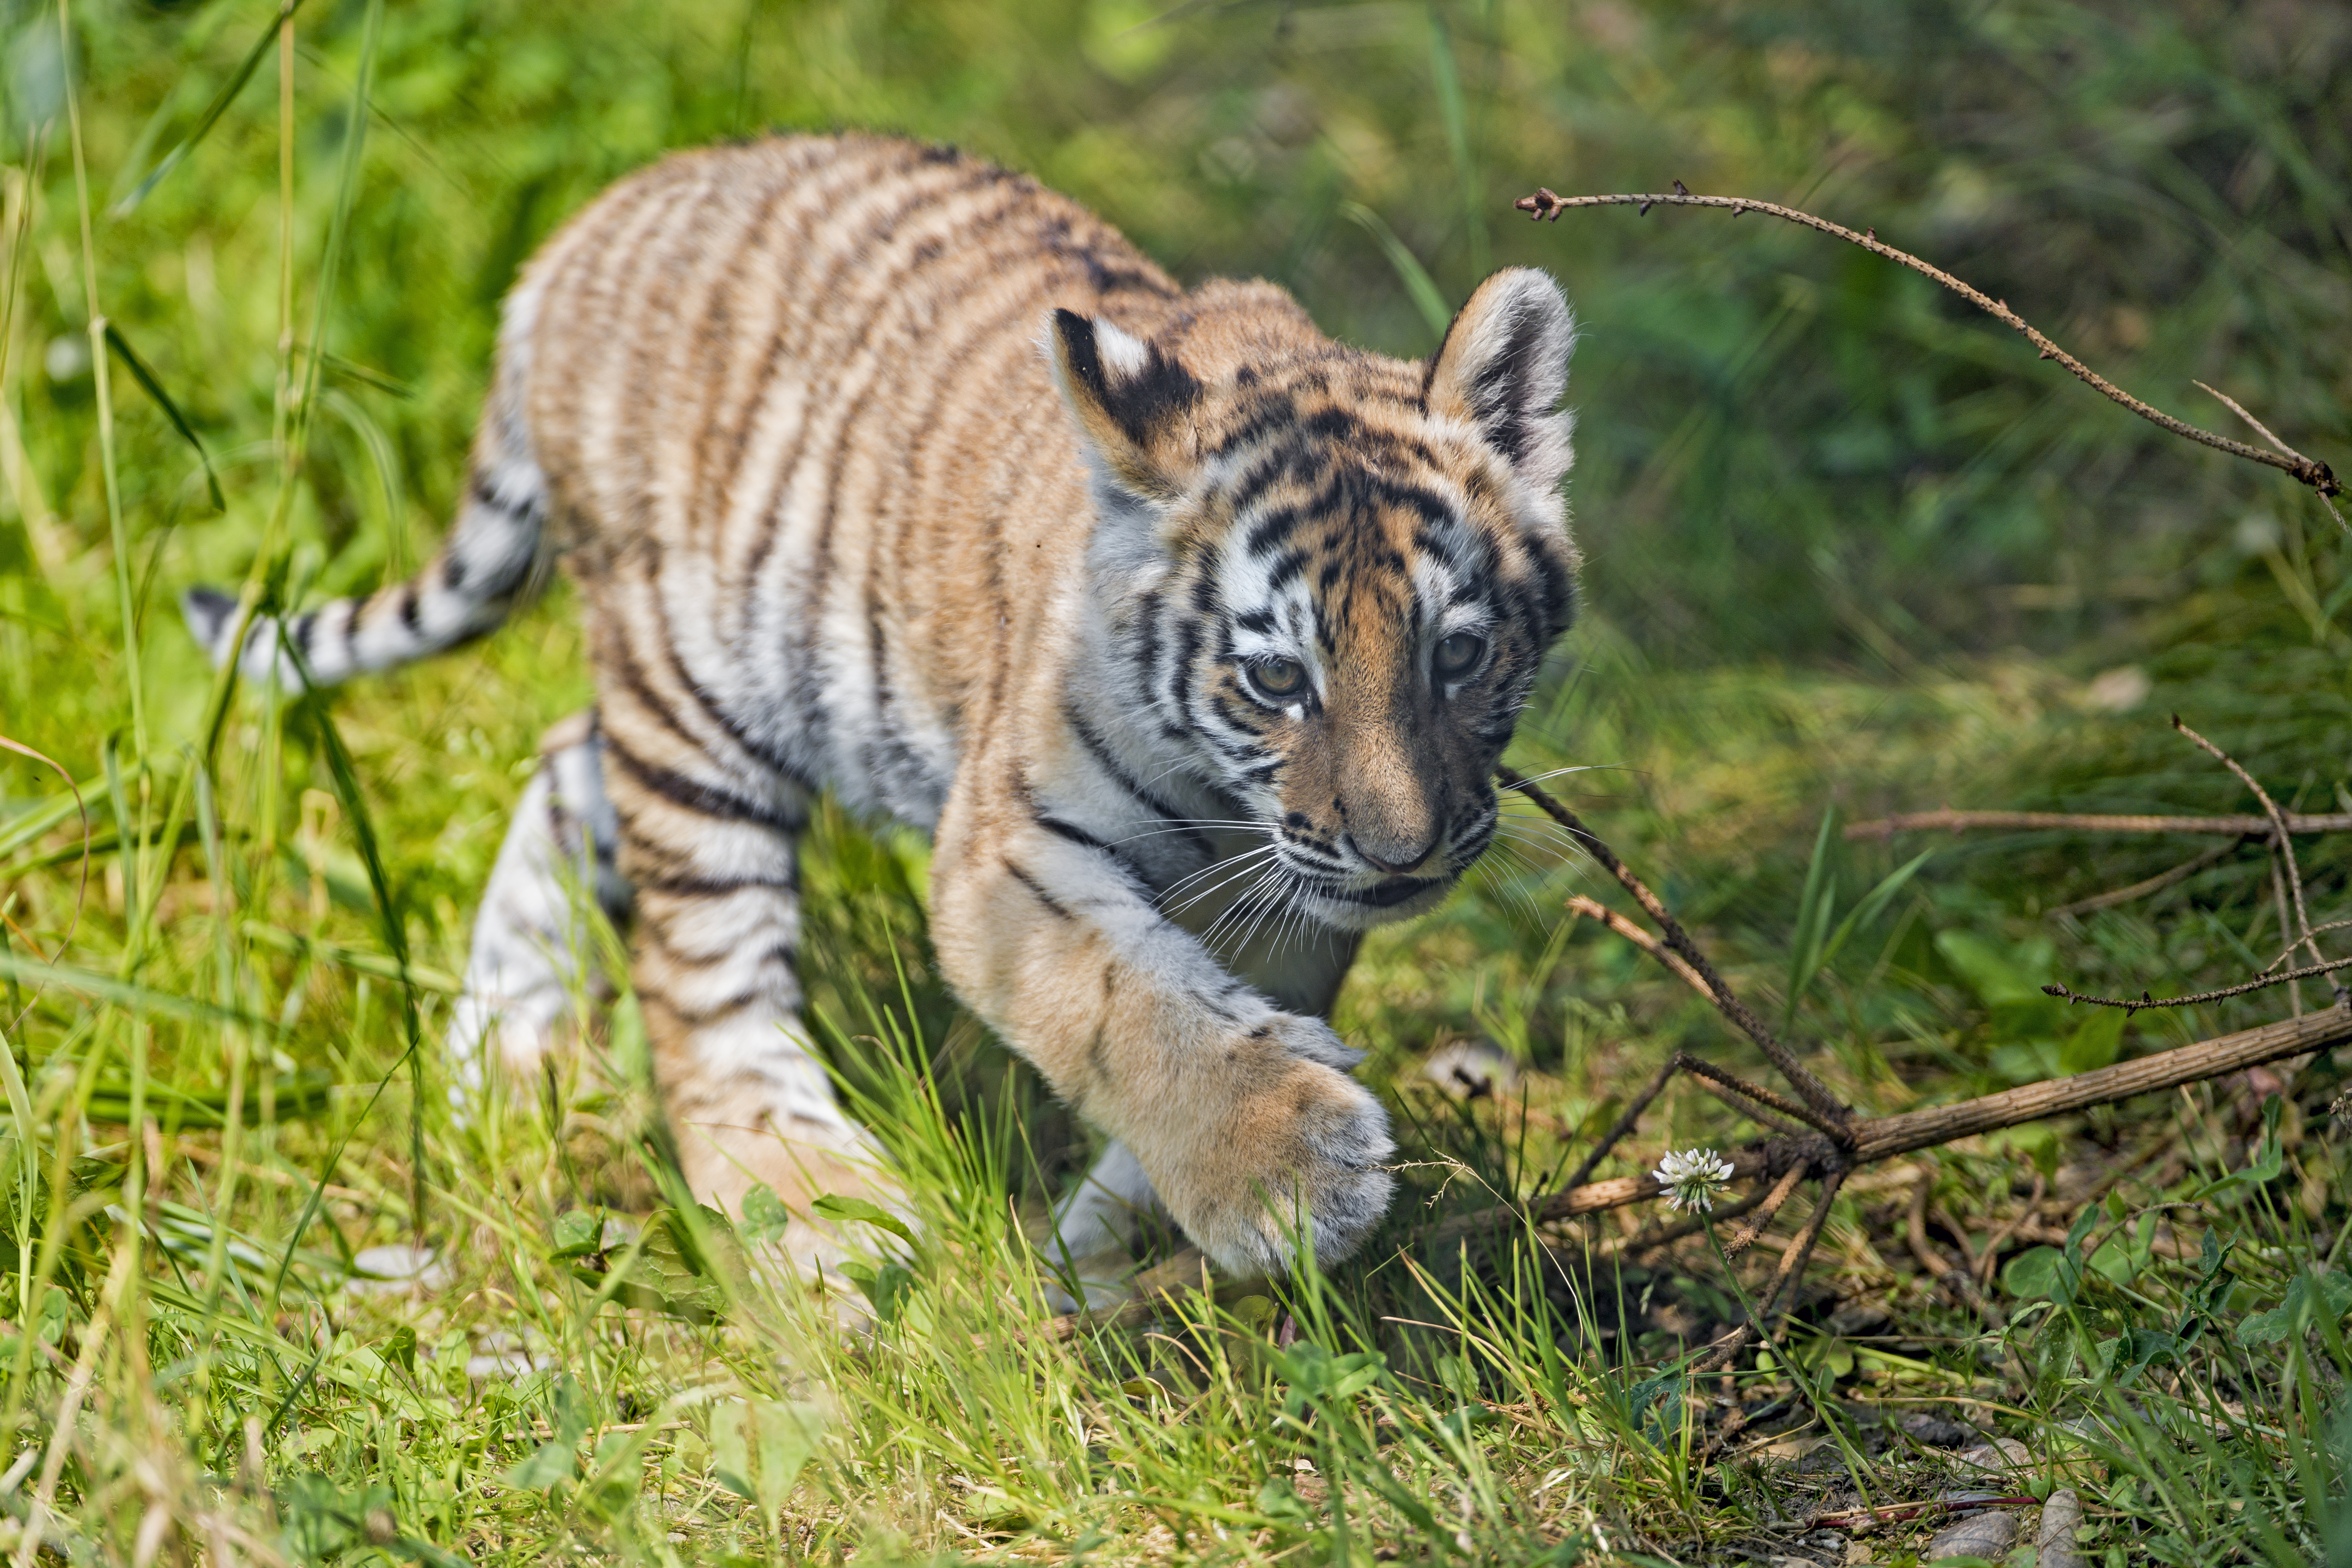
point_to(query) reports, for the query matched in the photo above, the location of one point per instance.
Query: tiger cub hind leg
(708, 839)
(533, 955)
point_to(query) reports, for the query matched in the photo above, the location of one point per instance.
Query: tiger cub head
(1329, 577)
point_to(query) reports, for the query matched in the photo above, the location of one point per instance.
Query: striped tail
(493, 562)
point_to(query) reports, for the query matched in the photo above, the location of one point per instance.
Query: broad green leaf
(2097, 1042)
(2035, 1273)
(2310, 1299)
(1996, 974)
(2125, 1254)
(833, 1207)
(730, 1449)
(578, 1233)
(765, 1217)
(616, 1474)
(885, 1289)
(549, 1465)
(788, 1439)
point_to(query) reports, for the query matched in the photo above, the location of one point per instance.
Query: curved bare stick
(1543, 204)
(1812, 1091)
(2283, 843)
(1949, 820)
(2146, 1001)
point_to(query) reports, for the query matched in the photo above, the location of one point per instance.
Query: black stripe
(700, 696)
(1272, 529)
(691, 794)
(1290, 564)
(1043, 896)
(1105, 759)
(1072, 831)
(692, 887)
(477, 489)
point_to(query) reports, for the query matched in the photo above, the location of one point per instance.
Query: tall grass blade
(1453, 108)
(1418, 285)
(213, 112)
(146, 378)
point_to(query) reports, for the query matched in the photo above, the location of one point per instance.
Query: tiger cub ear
(1504, 367)
(1130, 400)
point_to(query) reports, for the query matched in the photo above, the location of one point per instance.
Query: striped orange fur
(1191, 635)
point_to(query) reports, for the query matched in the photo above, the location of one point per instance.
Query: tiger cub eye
(1459, 654)
(1278, 678)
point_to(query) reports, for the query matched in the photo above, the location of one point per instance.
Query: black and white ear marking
(1129, 397)
(1504, 367)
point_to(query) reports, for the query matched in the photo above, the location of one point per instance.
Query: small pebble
(2002, 1454)
(1937, 1431)
(2061, 1516)
(396, 1270)
(1987, 1535)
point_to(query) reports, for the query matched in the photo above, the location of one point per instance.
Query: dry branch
(1875, 1139)
(1809, 1088)
(2198, 999)
(1949, 820)
(1594, 909)
(1885, 1137)
(1543, 204)
(2155, 884)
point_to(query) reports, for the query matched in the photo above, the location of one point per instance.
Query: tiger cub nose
(1394, 855)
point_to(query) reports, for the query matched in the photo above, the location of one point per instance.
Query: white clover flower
(1692, 1178)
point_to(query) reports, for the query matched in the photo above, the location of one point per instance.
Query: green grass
(1851, 551)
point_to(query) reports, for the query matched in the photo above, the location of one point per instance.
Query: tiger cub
(1190, 635)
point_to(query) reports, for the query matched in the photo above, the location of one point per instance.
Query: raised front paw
(1300, 1151)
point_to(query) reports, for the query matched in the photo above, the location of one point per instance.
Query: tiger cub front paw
(1303, 1148)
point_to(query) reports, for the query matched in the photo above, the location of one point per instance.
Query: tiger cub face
(1330, 576)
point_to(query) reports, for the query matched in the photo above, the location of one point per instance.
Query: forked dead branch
(1544, 205)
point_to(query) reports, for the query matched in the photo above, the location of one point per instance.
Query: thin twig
(2278, 897)
(1814, 1092)
(1897, 1512)
(2232, 405)
(2315, 930)
(1792, 1264)
(1747, 1236)
(2146, 1001)
(2085, 822)
(1760, 1095)
(2155, 884)
(1594, 909)
(1624, 1124)
(2282, 841)
(1651, 1241)
(1543, 204)
(1794, 1261)
(1748, 1109)
(1961, 1280)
